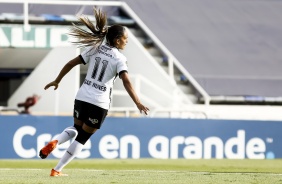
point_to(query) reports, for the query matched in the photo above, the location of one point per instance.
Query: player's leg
(95, 117)
(66, 135)
(69, 132)
(75, 148)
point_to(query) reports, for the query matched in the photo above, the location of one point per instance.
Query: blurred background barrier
(24, 135)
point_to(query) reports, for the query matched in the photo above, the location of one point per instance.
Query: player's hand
(54, 83)
(141, 108)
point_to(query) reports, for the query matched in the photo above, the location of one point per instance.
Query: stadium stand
(230, 47)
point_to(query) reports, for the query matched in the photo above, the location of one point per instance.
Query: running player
(92, 101)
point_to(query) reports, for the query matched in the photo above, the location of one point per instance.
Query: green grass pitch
(129, 171)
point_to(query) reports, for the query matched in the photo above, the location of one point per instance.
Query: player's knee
(83, 136)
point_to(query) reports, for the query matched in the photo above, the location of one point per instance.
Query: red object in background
(30, 101)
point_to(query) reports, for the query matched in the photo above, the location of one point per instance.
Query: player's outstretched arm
(72, 63)
(130, 90)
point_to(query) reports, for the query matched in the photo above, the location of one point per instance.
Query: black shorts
(89, 114)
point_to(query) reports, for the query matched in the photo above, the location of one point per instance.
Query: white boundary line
(154, 171)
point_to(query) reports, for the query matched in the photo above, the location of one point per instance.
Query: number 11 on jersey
(96, 67)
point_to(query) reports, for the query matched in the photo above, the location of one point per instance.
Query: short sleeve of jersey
(86, 54)
(122, 65)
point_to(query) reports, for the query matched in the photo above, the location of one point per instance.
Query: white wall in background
(54, 102)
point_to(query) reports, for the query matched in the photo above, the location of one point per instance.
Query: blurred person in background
(93, 99)
(30, 101)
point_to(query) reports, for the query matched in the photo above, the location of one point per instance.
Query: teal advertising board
(39, 36)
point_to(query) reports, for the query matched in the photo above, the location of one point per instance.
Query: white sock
(70, 153)
(66, 135)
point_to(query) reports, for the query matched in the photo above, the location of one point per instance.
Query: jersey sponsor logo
(105, 48)
(106, 54)
(93, 121)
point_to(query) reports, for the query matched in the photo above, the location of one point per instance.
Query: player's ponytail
(97, 32)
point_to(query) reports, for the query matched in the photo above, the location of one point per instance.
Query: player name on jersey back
(93, 84)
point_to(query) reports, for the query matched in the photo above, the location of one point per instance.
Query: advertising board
(24, 135)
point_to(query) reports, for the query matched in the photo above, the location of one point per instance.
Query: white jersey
(105, 64)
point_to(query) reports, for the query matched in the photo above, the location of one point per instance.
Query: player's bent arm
(130, 90)
(72, 63)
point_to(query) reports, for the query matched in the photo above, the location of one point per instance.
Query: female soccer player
(92, 101)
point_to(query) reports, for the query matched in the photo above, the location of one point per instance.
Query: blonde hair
(97, 32)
